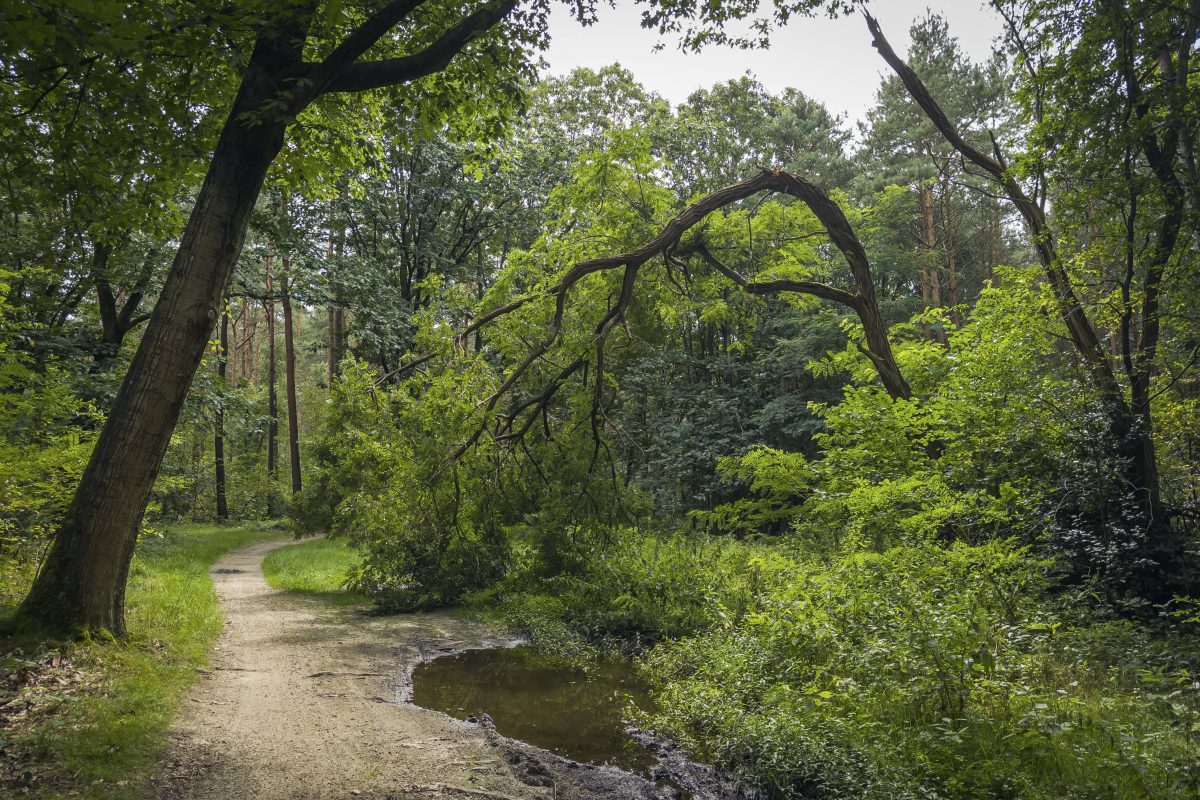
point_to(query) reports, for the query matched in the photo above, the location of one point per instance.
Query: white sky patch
(829, 60)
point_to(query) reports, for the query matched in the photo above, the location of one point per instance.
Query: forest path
(305, 700)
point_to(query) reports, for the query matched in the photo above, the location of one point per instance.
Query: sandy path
(304, 700)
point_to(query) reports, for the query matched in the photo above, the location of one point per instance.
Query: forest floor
(306, 699)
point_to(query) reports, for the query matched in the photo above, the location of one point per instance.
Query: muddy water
(579, 714)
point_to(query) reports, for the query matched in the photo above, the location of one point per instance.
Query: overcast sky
(829, 60)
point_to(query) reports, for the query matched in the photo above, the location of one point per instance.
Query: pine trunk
(331, 347)
(289, 360)
(219, 437)
(930, 291)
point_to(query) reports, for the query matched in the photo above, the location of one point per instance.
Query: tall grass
(319, 567)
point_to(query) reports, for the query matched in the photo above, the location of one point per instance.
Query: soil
(308, 700)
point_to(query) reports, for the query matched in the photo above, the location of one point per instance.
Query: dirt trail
(305, 700)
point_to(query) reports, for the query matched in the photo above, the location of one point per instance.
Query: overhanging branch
(862, 300)
(358, 42)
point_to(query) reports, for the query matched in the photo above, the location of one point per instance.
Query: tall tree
(723, 133)
(902, 146)
(82, 584)
(289, 371)
(272, 396)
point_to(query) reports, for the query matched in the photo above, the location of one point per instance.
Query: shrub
(927, 671)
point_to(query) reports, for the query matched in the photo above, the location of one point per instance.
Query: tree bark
(272, 400)
(219, 436)
(289, 361)
(82, 584)
(930, 288)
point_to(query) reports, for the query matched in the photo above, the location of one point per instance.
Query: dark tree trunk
(339, 332)
(289, 360)
(272, 402)
(82, 584)
(336, 314)
(219, 437)
(115, 321)
(331, 359)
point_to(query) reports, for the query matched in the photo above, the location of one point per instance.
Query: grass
(317, 567)
(102, 734)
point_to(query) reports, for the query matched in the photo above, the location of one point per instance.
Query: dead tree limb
(1083, 334)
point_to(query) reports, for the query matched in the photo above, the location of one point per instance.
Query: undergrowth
(923, 671)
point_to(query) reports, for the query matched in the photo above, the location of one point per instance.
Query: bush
(642, 587)
(44, 447)
(925, 672)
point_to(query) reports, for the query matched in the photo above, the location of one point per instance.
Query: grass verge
(88, 719)
(316, 567)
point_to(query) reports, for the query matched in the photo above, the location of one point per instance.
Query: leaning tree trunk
(1129, 421)
(82, 584)
(219, 436)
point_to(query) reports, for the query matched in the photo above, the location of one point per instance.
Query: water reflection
(576, 713)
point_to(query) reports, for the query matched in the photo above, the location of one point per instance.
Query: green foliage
(920, 671)
(989, 446)
(540, 618)
(873, 597)
(641, 588)
(46, 436)
(424, 526)
(723, 134)
(43, 449)
(926, 671)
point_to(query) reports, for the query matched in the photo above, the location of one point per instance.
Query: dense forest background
(880, 445)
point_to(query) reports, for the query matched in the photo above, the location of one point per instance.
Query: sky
(829, 60)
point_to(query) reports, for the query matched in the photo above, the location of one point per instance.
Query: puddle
(575, 713)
